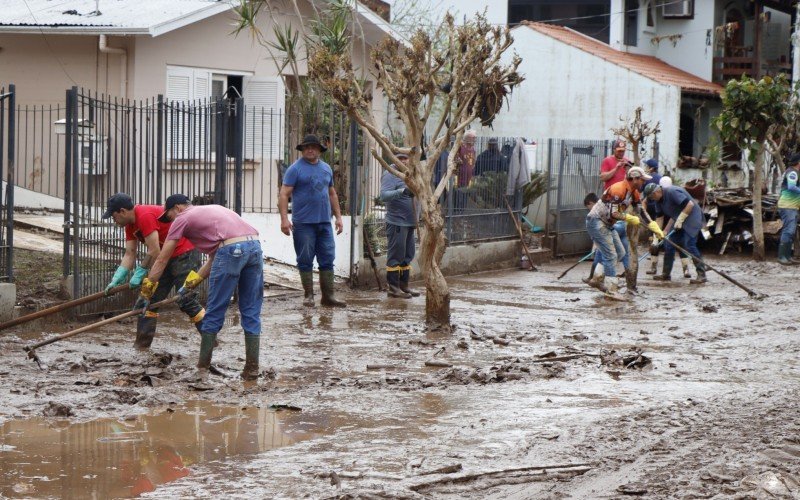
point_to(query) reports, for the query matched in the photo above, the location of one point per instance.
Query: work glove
(653, 226)
(408, 192)
(120, 277)
(679, 221)
(632, 219)
(138, 275)
(148, 289)
(192, 280)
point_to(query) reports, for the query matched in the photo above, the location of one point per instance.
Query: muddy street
(544, 390)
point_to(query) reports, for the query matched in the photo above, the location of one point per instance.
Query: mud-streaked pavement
(684, 391)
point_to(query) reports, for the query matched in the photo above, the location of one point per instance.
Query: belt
(238, 239)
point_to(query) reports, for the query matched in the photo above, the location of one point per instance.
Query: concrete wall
(571, 94)
(280, 247)
(8, 299)
(25, 198)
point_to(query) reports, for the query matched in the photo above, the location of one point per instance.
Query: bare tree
(465, 74)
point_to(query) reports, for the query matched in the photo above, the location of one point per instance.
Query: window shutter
(264, 118)
(186, 87)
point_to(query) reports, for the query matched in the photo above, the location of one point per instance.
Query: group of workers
(176, 233)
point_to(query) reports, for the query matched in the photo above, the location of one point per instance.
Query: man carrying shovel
(686, 219)
(142, 226)
(234, 262)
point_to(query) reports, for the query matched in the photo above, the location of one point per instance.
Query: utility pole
(796, 47)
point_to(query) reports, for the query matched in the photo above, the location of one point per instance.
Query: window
(679, 9)
(651, 15)
(264, 100)
(631, 36)
(589, 17)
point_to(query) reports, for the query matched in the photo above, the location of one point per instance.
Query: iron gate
(574, 171)
(148, 149)
(7, 142)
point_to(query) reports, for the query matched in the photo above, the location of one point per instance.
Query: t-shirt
(607, 166)
(311, 203)
(672, 204)
(399, 206)
(147, 222)
(615, 199)
(790, 190)
(206, 226)
(466, 164)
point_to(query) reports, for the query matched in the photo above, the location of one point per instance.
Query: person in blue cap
(788, 208)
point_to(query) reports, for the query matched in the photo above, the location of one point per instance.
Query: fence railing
(7, 168)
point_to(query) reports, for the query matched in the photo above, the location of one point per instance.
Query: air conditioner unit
(678, 8)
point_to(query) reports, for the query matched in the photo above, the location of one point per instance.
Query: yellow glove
(653, 226)
(148, 288)
(192, 280)
(632, 219)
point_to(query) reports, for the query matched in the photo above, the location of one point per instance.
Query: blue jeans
(608, 243)
(688, 242)
(789, 219)
(312, 240)
(241, 266)
(621, 228)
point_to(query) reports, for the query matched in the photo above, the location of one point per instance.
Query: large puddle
(115, 458)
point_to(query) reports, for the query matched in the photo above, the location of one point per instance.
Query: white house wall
(571, 94)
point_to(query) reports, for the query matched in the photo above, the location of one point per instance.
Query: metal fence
(573, 168)
(474, 207)
(7, 134)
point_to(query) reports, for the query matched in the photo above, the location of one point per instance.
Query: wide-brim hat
(311, 140)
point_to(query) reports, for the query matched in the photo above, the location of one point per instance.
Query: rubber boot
(145, 330)
(207, 341)
(189, 304)
(612, 289)
(785, 254)
(328, 293)
(666, 270)
(393, 286)
(653, 264)
(598, 282)
(701, 277)
(307, 278)
(685, 262)
(403, 284)
(597, 272)
(630, 280)
(251, 347)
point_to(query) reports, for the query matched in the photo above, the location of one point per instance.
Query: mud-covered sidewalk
(545, 389)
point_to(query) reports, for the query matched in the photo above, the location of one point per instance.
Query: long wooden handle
(100, 323)
(521, 234)
(61, 307)
(371, 256)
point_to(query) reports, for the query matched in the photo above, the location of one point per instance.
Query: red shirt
(607, 166)
(147, 222)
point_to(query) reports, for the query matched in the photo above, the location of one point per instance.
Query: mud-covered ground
(683, 391)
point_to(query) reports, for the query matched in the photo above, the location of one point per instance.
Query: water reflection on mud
(114, 458)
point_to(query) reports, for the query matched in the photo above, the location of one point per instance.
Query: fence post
(238, 143)
(12, 104)
(67, 180)
(160, 149)
(76, 195)
(219, 174)
(353, 196)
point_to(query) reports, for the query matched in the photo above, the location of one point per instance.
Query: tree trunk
(431, 250)
(758, 225)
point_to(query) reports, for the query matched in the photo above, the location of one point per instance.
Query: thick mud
(545, 389)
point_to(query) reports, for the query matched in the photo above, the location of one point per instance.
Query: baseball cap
(794, 159)
(652, 163)
(636, 172)
(401, 155)
(116, 203)
(648, 189)
(620, 145)
(172, 200)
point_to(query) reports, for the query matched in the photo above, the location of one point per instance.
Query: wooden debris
(438, 364)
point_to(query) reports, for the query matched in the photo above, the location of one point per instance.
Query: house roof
(648, 66)
(134, 17)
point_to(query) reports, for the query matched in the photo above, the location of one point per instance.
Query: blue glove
(120, 277)
(138, 275)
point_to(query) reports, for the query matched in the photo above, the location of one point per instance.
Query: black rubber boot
(785, 254)
(145, 330)
(307, 278)
(630, 280)
(666, 270)
(328, 293)
(700, 279)
(207, 341)
(190, 305)
(393, 286)
(405, 277)
(251, 348)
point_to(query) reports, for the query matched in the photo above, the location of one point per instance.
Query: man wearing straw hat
(309, 182)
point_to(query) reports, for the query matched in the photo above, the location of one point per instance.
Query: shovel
(31, 349)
